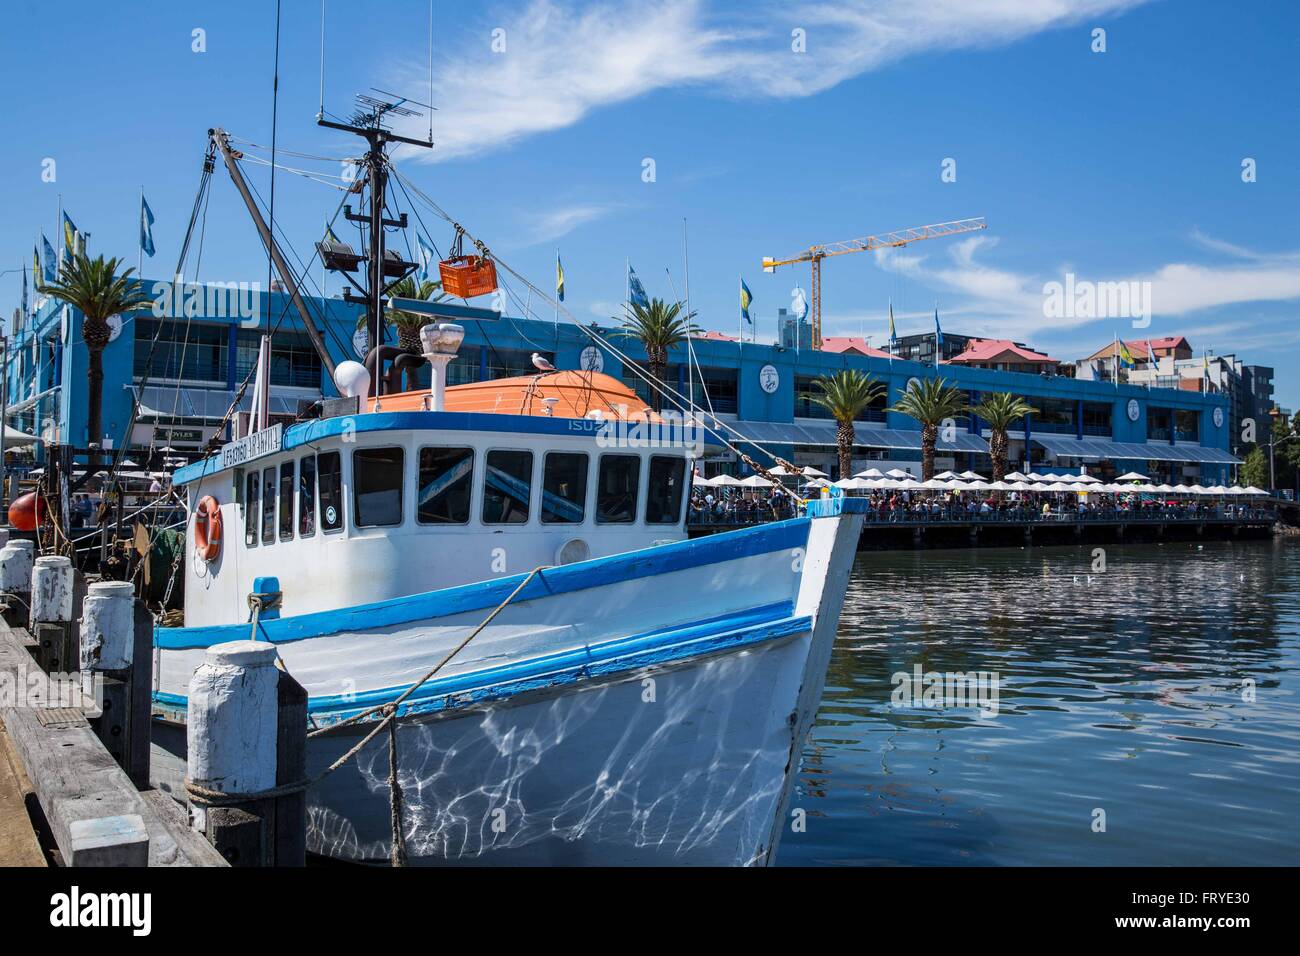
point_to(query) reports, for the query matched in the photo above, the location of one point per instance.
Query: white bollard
(16, 560)
(51, 590)
(231, 721)
(107, 626)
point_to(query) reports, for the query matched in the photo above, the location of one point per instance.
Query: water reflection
(1120, 690)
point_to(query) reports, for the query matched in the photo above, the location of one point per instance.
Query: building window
(806, 390)
(564, 488)
(1096, 418)
(1053, 415)
(190, 351)
(377, 487)
(723, 392)
(1187, 424)
(663, 503)
(445, 483)
(307, 496)
(616, 488)
(331, 490)
(509, 363)
(268, 506)
(1159, 423)
(294, 361)
(507, 487)
(251, 512)
(286, 501)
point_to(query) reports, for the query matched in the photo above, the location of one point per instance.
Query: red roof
(851, 343)
(1168, 342)
(715, 336)
(990, 350)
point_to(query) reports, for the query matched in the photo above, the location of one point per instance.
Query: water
(1121, 693)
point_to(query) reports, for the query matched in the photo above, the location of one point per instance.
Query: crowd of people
(743, 506)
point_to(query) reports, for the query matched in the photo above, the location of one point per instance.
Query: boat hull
(563, 736)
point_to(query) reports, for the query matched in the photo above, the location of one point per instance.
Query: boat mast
(368, 126)
(222, 141)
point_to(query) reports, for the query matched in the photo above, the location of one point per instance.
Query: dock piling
(16, 561)
(247, 730)
(51, 613)
(108, 653)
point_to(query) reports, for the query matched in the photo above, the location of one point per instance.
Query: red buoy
(26, 512)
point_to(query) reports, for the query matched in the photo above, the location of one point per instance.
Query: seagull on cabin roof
(541, 364)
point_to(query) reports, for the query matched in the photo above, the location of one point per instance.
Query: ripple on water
(1125, 692)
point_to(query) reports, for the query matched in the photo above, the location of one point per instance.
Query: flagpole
(139, 269)
(557, 296)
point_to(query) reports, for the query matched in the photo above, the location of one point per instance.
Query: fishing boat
(642, 700)
(501, 569)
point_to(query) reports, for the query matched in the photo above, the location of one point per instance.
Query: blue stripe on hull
(729, 632)
(484, 595)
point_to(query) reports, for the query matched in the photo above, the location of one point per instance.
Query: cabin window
(446, 482)
(616, 488)
(663, 503)
(564, 488)
(251, 496)
(377, 487)
(286, 501)
(507, 487)
(268, 506)
(330, 477)
(307, 496)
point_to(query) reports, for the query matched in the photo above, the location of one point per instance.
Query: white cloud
(561, 62)
(555, 223)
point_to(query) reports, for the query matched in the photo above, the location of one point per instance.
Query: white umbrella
(1035, 476)
(971, 476)
(870, 473)
(1087, 479)
(1014, 476)
(1145, 488)
(699, 482)
(978, 485)
(947, 475)
(1002, 486)
(780, 471)
(1217, 490)
(1132, 476)
(956, 484)
(1164, 489)
(1252, 490)
(910, 484)
(14, 437)
(936, 483)
(1197, 490)
(1022, 486)
(725, 481)
(898, 473)
(1182, 490)
(756, 481)
(811, 472)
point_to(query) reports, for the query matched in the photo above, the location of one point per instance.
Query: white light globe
(351, 379)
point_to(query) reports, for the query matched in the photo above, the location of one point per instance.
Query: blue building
(187, 355)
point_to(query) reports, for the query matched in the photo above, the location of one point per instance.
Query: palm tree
(93, 287)
(408, 324)
(846, 395)
(930, 401)
(1001, 410)
(659, 327)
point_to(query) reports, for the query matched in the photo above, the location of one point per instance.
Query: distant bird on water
(541, 364)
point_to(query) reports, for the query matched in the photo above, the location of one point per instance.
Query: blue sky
(1122, 165)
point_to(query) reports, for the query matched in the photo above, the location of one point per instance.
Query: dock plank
(18, 843)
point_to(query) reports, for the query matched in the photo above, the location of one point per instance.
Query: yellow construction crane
(886, 240)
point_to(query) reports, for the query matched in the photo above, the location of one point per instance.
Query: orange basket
(468, 276)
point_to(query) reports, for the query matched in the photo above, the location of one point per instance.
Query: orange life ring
(207, 528)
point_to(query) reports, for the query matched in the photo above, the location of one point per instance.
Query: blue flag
(146, 227)
(938, 335)
(746, 297)
(34, 279)
(893, 332)
(426, 257)
(48, 265)
(635, 290)
(559, 278)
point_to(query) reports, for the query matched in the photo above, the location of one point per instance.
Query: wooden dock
(61, 788)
